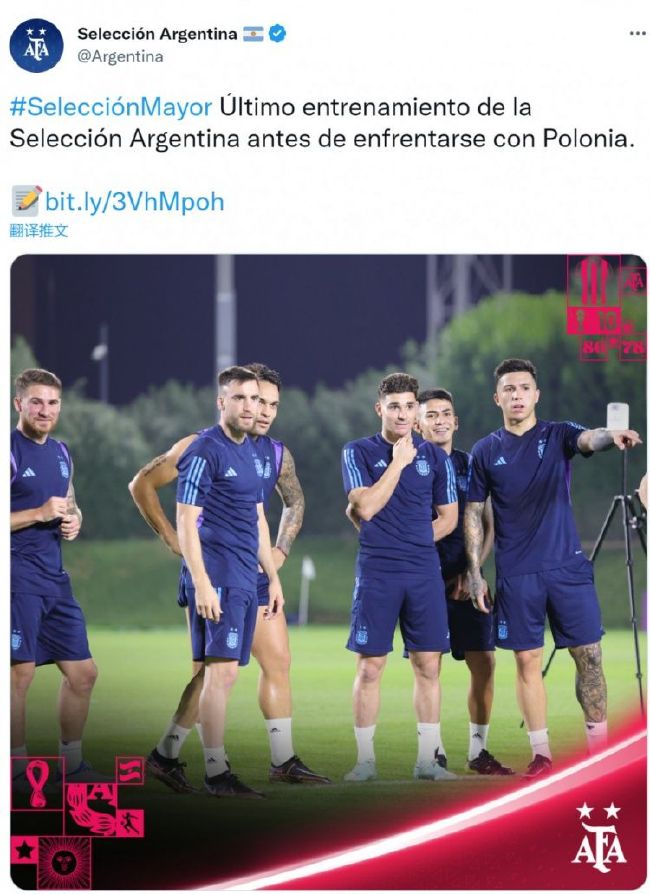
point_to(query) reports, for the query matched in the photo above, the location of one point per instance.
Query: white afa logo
(601, 845)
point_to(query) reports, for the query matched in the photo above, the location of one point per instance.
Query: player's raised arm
(145, 486)
(368, 501)
(594, 440)
(293, 501)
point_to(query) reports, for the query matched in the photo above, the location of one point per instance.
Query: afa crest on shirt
(63, 467)
(422, 467)
(259, 468)
(267, 468)
(461, 482)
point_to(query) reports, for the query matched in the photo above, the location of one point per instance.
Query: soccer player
(222, 534)
(471, 632)
(47, 623)
(271, 641)
(396, 483)
(541, 569)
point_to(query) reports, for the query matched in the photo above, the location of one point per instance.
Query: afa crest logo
(232, 640)
(36, 45)
(422, 467)
(259, 468)
(361, 637)
(541, 447)
(16, 639)
(502, 630)
(267, 468)
(601, 846)
(461, 482)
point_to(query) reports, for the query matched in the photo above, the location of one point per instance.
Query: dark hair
(435, 394)
(36, 377)
(235, 374)
(398, 383)
(264, 373)
(514, 365)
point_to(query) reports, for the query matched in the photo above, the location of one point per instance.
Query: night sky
(315, 318)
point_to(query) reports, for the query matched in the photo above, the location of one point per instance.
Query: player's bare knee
(481, 664)
(426, 666)
(22, 674)
(221, 674)
(81, 676)
(529, 664)
(369, 670)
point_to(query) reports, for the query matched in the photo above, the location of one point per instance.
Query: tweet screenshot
(325, 344)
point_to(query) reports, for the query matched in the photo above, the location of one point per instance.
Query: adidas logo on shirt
(29, 473)
(230, 473)
(382, 464)
(500, 462)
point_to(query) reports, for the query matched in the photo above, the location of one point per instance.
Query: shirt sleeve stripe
(351, 466)
(191, 486)
(452, 494)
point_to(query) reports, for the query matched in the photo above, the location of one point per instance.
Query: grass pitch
(193, 840)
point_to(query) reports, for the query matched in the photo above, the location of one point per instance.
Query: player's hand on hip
(55, 507)
(207, 602)
(624, 440)
(404, 450)
(70, 526)
(276, 600)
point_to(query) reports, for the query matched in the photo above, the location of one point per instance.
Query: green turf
(132, 583)
(143, 672)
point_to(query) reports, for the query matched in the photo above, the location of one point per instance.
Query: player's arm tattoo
(293, 500)
(473, 529)
(73, 508)
(155, 462)
(595, 439)
(591, 688)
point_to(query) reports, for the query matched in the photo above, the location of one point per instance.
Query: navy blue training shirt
(399, 538)
(225, 479)
(451, 548)
(529, 479)
(38, 472)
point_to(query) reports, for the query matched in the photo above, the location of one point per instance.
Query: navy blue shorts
(262, 591)
(45, 629)
(418, 603)
(469, 629)
(232, 636)
(567, 595)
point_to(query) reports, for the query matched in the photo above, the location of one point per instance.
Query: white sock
(596, 735)
(199, 732)
(19, 766)
(478, 735)
(429, 741)
(280, 739)
(172, 740)
(215, 761)
(71, 751)
(365, 743)
(539, 742)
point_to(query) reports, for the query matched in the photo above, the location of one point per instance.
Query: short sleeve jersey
(399, 538)
(451, 548)
(38, 472)
(529, 479)
(224, 478)
(270, 453)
